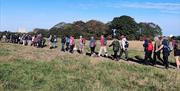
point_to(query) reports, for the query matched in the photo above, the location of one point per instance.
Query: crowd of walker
(119, 46)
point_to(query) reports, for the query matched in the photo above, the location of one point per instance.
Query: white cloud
(173, 8)
(148, 5)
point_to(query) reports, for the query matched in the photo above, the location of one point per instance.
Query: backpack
(92, 44)
(126, 44)
(83, 40)
(52, 39)
(166, 47)
(116, 45)
(149, 47)
(63, 40)
(72, 42)
(105, 41)
(178, 44)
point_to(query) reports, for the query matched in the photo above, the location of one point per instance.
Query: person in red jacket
(149, 50)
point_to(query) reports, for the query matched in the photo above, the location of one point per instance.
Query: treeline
(125, 25)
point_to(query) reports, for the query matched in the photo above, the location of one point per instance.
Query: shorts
(176, 52)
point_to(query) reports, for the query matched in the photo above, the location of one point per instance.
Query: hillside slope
(25, 68)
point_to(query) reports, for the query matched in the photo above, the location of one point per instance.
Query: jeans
(62, 47)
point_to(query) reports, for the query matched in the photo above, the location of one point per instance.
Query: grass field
(25, 68)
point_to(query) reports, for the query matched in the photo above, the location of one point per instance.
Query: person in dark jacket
(166, 51)
(92, 45)
(67, 43)
(116, 47)
(63, 41)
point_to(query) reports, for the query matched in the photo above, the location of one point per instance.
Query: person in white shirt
(124, 47)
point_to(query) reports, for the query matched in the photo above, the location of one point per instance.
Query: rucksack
(83, 40)
(178, 44)
(105, 41)
(166, 47)
(52, 39)
(126, 44)
(92, 44)
(149, 47)
(116, 45)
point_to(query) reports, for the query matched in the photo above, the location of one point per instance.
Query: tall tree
(125, 25)
(149, 29)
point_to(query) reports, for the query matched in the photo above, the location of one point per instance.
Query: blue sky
(32, 14)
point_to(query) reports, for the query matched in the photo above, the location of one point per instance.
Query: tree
(95, 27)
(149, 29)
(44, 32)
(125, 25)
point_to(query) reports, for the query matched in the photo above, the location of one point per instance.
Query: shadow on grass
(159, 64)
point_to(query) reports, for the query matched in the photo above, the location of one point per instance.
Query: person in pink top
(103, 49)
(81, 44)
(72, 44)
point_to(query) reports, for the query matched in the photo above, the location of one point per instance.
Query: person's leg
(71, 49)
(100, 51)
(62, 46)
(55, 45)
(150, 57)
(165, 57)
(91, 50)
(105, 51)
(83, 49)
(121, 52)
(23, 42)
(126, 54)
(146, 57)
(67, 46)
(159, 56)
(177, 61)
(115, 55)
(154, 58)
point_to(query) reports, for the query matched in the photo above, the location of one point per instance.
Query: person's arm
(160, 48)
(111, 44)
(123, 45)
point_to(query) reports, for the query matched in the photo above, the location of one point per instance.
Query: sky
(30, 14)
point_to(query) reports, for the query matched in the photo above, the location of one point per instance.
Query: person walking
(67, 43)
(72, 44)
(166, 51)
(103, 43)
(124, 47)
(156, 54)
(81, 44)
(116, 47)
(176, 48)
(149, 49)
(92, 45)
(55, 41)
(63, 41)
(50, 40)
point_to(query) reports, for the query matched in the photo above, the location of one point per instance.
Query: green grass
(4, 52)
(81, 73)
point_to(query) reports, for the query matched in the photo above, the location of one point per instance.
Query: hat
(170, 35)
